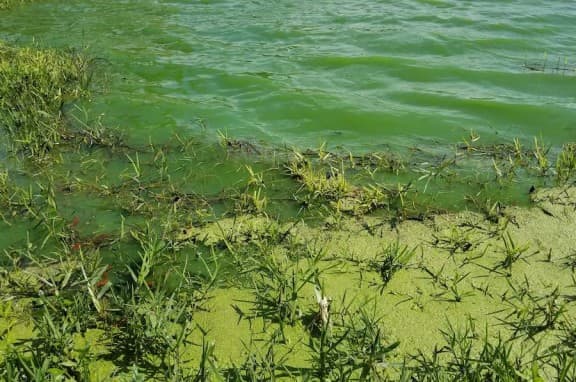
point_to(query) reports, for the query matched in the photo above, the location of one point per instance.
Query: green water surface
(362, 75)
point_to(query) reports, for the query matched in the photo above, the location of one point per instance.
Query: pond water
(362, 75)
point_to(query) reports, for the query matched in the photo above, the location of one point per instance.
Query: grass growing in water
(36, 85)
(8, 4)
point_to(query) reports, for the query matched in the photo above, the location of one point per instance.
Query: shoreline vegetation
(8, 4)
(117, 264)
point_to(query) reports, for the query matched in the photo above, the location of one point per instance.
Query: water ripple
(360, 73)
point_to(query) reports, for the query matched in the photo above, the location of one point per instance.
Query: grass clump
(469, 356)
(8, 4)
(566, 163)
(36, 85)
(352, 345)
(324, 183)
(394, 258)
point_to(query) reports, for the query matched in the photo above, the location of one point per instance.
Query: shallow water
(362, 75)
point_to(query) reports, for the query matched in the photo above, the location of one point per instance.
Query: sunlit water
(360, 74)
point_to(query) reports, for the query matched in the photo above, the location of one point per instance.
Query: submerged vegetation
(122, 262)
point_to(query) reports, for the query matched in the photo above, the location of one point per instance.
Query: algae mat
(458, 270)
(419, 283)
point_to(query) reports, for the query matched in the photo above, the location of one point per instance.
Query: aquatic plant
(455, 240)
(394, 258)
(512, 253)
(319, 182)
(7, 4)
(152, 332)
(207, 367)
(36, 86)
(238, 145)
(252, 199)
(262, 363)
(566, 163)
(493, 210)
(451, 290)
(467, 356)
(529, 312)
(277, 288)
(353, 346)
(65, 312)
(434, 171)
(92, 134)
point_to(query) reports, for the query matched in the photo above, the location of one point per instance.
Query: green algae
(416, 306)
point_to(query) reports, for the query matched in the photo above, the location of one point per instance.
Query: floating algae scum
(130, 260)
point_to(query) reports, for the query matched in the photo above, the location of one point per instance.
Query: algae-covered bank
(203, 257)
